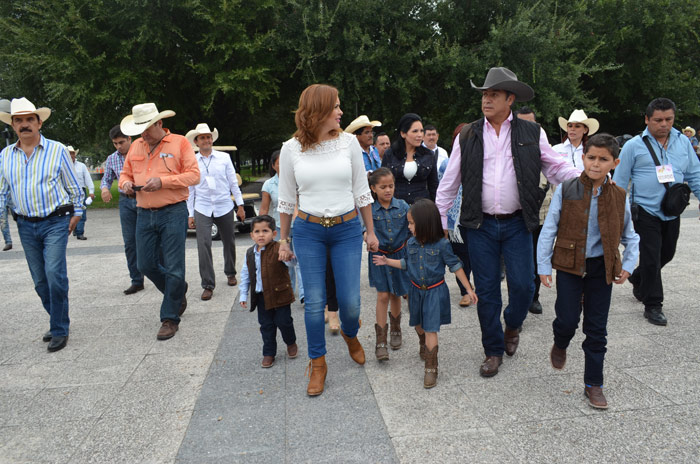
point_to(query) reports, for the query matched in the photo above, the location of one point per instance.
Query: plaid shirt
(113, 167)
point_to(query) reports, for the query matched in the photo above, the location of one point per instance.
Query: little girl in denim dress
(391, 229)
(427, 254)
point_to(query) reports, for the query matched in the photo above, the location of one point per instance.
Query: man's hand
(622, 277)
(190, 223)
(546, 280)
(126, 186)
(153, 184)
(73, 222)
(241, 213)
(92, 195)
(106, 195)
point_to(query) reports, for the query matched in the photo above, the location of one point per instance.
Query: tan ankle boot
(421, 342)
(317, 371)
(356, 352)
(431, 368)
(380, 350)
(396, 341)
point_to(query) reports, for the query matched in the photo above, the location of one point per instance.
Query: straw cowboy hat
(505, 79)
(23, 106)
(361, 121)
(580, 117)
(142, 117)
(70, 149)
(688, 128)
(202, 128)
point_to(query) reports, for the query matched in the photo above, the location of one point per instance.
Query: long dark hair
(398, 146)
(274, 157)
(376, 176)
(426, 221)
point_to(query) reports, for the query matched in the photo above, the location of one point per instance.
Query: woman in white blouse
(578, 128)
(324, 165)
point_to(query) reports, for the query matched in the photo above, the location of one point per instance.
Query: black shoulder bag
(677, 197)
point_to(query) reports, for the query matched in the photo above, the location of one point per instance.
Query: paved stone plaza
(116, 395)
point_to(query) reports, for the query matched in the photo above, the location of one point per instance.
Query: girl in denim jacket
(427, 254)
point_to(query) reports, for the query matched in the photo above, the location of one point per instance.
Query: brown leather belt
(501, 217)
(428, 287)
(327, 221)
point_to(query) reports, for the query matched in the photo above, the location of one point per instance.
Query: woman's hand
(372, 242)
(285, 252)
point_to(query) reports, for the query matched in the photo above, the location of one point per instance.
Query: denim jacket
(425, 264)
(390, 225)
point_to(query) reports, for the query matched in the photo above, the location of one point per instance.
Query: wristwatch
(284, 240)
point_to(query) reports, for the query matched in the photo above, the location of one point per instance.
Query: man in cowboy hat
(658, 232)
(86, 183)
(690, 133)
(159, 167)
(38, 175)
(210, 203)
(578, 128)
(362, 128)
(497, 160)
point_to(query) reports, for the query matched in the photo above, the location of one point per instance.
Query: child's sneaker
(268, 361)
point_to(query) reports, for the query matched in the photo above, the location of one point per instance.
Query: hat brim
(193, 134)
(42, 113)
(129, 127)
(592, 124)
(521, 90)
(357, 125)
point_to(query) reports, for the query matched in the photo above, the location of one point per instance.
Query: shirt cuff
(543, 269)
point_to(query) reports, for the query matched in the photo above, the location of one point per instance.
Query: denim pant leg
(345, 249)
(6, 226)
(516, 248)
(567, 308)
(538, 283)
(285, 323)
(127, 218)
(268, 329)
(596, 307)
(462, 252)
(206, 262)
(80, 227)
(44, 246)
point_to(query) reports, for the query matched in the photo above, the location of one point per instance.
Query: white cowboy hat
(70, 149)
(688, 128)
(23, 106)
(202, 128)
(580, 117)
(504, 79)
(142, 117)
(361, 121)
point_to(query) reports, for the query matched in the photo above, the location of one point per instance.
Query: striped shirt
(40, 183)
(113, 168)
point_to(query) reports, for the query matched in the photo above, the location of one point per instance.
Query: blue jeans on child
(312, 242)
(272, 319)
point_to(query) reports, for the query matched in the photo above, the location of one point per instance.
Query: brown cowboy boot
(431, 368)
(395, 341)
(380, 350)
(421, 342)
(356, 352)
(317, 371)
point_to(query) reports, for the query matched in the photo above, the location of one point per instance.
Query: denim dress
(429, 307)
(391, 229)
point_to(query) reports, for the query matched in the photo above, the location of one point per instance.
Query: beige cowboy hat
(580, 117)
(23, 106)
(70, 149)
(202, 128)
(505, 79)
(688, 128)
(361, 121)
(142, 117)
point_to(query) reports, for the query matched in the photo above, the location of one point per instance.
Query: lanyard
(205, 164)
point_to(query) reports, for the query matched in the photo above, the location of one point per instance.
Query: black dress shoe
(57, 343)
(655, 316)
(7, 247)
(47, 337)
(133, 289)
(535, 307)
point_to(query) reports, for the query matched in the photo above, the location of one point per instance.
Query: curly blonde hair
(315, 105)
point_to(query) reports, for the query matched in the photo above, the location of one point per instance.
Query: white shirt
(217, 181)
(330, 177)
(572, 155)
(83, 175)
(441, 153)
(410, 168)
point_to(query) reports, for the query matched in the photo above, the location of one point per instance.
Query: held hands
(372, 242)
(546, 280)
(622, 277)
(285, 252)
(472, 295)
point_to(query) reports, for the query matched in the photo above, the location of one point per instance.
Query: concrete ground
(116, 395)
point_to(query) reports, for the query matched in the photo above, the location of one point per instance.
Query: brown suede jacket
(277, 286)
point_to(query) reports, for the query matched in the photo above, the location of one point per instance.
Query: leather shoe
(558, 357)
(167, 330)
(7, 247)
(535, 307)
(81, 237)
(511, 338)
(133, 289)
(232, 281)
(267, 361)
(489, 367)
(465, 301)
(207, 293)
(57, 343)
(47, 337)
(595, 396)
(292, 351)
(655, 315)
(183, 305)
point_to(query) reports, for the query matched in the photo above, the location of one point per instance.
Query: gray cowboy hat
(505, 79)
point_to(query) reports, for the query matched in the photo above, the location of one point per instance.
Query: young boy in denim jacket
(589, 217)
(267, 280)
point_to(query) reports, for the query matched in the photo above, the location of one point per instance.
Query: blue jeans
(343, 242)
(6, 226)
(127, 218)
(510, 238)
(80, 227)
(44, 246)
(162, 234)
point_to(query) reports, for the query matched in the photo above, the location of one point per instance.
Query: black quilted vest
(525, 146)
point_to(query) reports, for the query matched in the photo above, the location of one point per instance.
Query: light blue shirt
(271, 186)
(637, 165)
(594, 243)
(371, 159)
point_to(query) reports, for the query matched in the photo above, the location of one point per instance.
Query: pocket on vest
(564, 254)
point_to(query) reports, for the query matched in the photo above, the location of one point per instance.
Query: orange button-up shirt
(173, 161)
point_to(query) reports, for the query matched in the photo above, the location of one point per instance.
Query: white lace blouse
(329, 177)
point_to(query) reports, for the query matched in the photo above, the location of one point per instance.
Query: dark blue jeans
(272, 319)
(161, 236)
(80, 227)
(44, 246)
(596, 306)
(127, 218)
(510, 238)
(462, 252)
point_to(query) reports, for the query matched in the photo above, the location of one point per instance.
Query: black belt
(501, 217)
(63, 210)
(162, 207)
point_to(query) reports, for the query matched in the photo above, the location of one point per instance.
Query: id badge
(211, 182)
(665, 173)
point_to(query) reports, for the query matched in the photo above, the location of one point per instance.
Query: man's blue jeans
(344, 243)
(80, 227)
(510, 238)
(162, 233)
(44, 244)
(127, 218)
